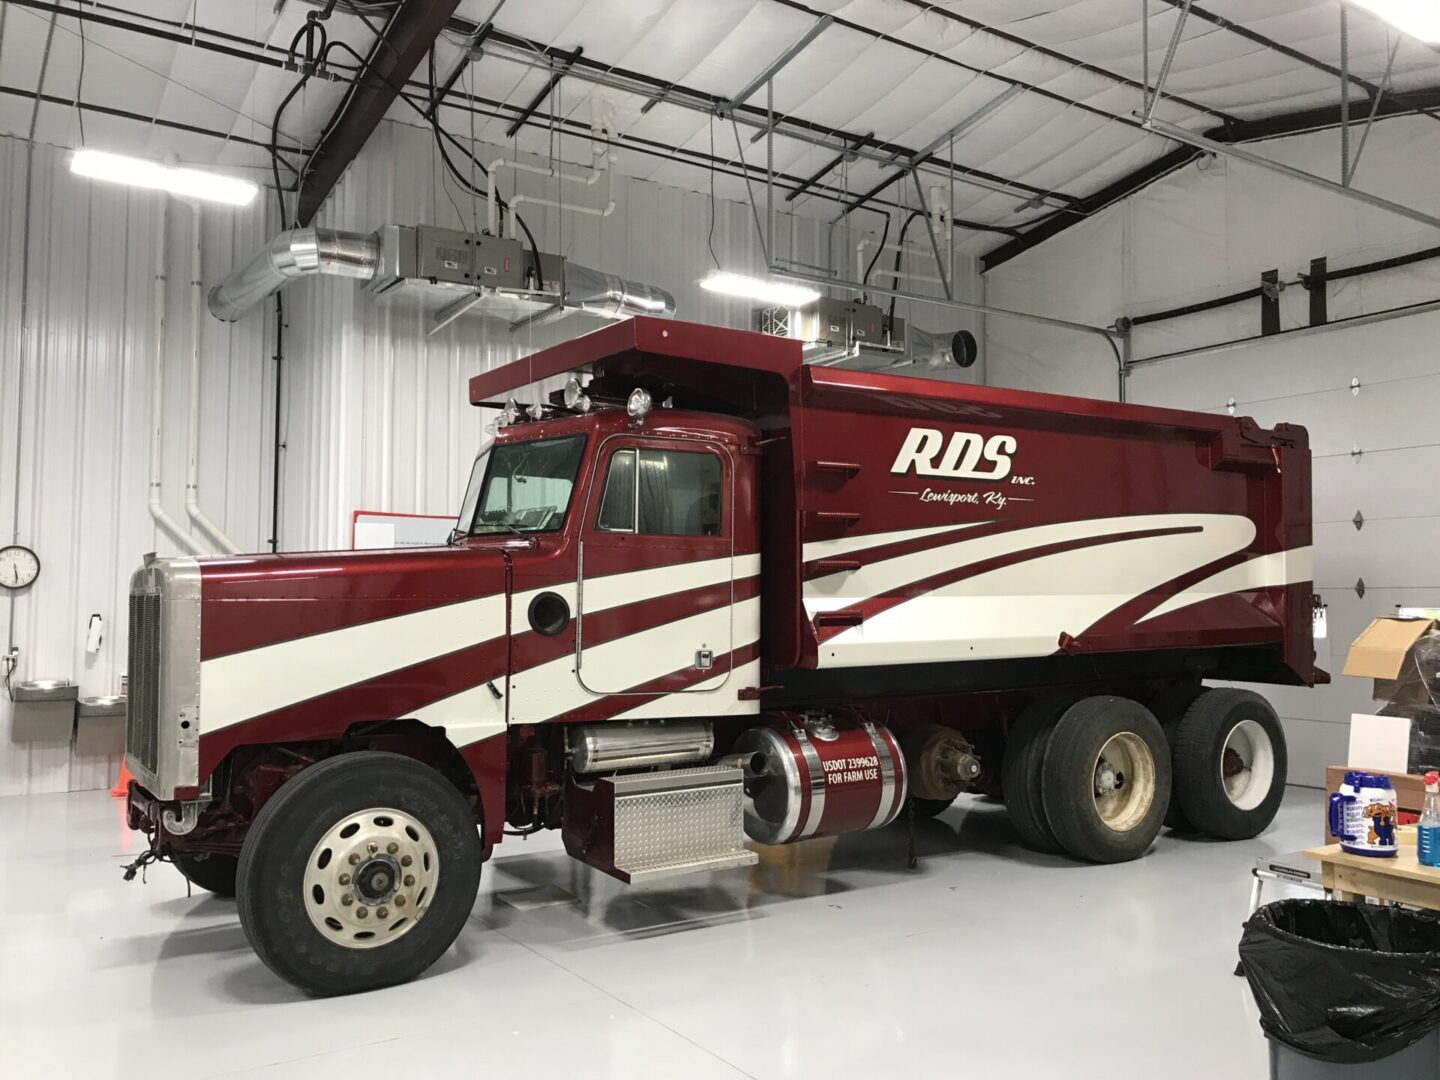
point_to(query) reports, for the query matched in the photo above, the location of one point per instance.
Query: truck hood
(256, 601)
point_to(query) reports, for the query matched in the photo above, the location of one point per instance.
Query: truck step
(646, 826)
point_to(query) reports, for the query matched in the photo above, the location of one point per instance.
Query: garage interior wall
(1209, 230)
(374, 413)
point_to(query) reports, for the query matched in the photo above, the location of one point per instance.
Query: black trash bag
(1344, 983)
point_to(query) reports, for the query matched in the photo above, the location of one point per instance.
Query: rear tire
(1230, 764)
(213, 873)
(1107, 779)
(1021, 778)
(365, 832)
(1169, 708)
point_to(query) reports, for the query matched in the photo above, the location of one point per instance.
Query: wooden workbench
(1401, 879)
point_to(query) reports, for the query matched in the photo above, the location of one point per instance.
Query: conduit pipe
(896, 274)
(602, 130)
(192, 473)
(292, 254)
(157, 394)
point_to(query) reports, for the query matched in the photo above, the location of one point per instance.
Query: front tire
(359, 873)
(1107, 779)
(213, 873)
(1230, 764)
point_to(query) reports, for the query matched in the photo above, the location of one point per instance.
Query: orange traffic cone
(122, 786)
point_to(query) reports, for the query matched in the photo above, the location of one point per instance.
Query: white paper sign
(1379, 743)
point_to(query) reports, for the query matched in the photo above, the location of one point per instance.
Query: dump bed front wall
(946, 523)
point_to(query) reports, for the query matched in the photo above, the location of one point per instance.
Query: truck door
(656, 580)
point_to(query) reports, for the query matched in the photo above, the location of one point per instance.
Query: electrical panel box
(498, 263)
(448, 257)
(444, 255)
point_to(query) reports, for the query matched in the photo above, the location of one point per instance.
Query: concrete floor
(827, 959)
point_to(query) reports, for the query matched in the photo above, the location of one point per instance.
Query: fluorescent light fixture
(187, 183)
(1418, 18)
(762, 289)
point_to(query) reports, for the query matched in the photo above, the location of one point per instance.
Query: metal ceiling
(1027, 106)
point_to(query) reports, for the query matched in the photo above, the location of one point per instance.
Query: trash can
(1349, 991)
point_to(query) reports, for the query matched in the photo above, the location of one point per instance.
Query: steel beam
(781, 270)
(909, 163)
(539, 99)
(1200, 142)
(1298, 56)
(1158, 91)
(771, 69)
(848, 154)
(409, 34)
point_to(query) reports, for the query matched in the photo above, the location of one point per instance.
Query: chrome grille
(142, 728)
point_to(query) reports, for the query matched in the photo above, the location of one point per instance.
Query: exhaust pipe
(597, 748)
(295, 253)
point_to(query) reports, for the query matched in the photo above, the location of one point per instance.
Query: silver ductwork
(446, 271)
(295, 253)
(613, 297)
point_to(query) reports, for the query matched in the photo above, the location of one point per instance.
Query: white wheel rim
(1124, 781)
(371, 878)
(1247, 765)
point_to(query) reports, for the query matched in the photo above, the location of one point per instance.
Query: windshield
(526, 486)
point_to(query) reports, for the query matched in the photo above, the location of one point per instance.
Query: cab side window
(662, 493)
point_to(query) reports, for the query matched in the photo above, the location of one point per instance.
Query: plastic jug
(1363, 814)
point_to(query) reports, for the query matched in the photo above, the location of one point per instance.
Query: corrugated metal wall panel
(374, 413)
(83, 414)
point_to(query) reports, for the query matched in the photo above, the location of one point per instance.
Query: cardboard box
(1398, 654)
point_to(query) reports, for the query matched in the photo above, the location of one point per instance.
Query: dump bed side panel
(944, 523)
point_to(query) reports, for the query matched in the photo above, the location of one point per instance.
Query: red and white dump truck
(709, 593)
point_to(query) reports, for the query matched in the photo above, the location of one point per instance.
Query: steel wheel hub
(370, 878)
(1124, 781)
(1247, 765)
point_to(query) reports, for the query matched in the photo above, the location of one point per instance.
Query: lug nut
(361, 912)
(344, 879)
(392, 847)
(347, 900)
(383, 913)
(400, 900)
(354, 859)
(409, 880)
(406, 860)
(372, 847)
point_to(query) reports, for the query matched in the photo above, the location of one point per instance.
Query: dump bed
(913, 523)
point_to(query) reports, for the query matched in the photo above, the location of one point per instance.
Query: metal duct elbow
(295, 253)
(612, 297)
(958, 349)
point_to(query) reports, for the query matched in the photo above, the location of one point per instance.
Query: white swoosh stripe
(829, 549)
(248, 684)
(552, 689)
(467, 717)
(1219, 535)
(633, 586)
(1262, 572)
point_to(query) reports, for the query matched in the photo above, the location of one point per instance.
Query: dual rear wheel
(1098, 777)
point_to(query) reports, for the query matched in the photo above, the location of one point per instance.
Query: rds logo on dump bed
(960, 459)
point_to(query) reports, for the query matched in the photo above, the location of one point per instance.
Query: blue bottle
(1429, 832)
